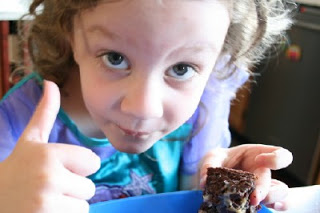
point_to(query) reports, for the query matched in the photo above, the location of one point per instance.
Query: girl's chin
(136, 149)
(132, 146)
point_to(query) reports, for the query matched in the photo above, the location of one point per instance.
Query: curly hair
(255, 26)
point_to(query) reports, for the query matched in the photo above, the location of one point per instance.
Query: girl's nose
(143, 100)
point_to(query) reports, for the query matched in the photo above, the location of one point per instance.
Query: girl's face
(144, 64)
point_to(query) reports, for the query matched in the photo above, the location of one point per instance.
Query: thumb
(214, 158)
(41, 123)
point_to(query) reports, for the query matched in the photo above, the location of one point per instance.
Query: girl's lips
(133, 133)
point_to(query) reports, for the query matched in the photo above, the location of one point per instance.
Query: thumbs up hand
(42, 177)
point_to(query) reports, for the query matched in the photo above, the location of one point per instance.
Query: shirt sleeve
(210, 121)
(7, 134)
(16, 109)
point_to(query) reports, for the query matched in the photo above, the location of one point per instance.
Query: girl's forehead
(173, 6)
(149, 14)
(142, 24)
(160, 6)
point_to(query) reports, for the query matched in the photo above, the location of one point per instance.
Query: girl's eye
(181, 71)
(115, 60)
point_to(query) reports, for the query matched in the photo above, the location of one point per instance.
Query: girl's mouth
(132, 133)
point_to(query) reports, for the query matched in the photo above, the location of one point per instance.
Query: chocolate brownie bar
(228, 190)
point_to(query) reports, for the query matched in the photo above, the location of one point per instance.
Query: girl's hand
(258, 159)
(47, 178)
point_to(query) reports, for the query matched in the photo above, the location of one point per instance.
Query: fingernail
(280, 151)
(283, 152)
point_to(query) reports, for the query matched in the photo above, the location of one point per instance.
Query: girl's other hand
(260, 160)
(43, 177)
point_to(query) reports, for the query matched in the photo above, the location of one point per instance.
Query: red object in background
(302, 9)
(293, 53)
(4, 58)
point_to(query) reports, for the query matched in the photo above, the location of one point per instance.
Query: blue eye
(115, 60)
(181, 71)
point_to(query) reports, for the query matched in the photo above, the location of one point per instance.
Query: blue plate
(173, 202)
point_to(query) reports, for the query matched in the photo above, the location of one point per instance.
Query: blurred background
(280, 106)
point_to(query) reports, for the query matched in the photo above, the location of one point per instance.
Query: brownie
(228, 190)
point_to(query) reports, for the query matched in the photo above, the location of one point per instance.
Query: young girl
(145, 89)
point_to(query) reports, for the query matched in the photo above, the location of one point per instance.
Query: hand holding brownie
(260, 160)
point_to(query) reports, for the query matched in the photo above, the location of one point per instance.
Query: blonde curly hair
(255, 26)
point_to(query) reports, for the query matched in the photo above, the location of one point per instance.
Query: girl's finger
(214, 158)
(263, 184)
(77, 159)
(76, 186)
(277, 193)
(278, 159)
(40, 125)
(62, 203)
(278, 206)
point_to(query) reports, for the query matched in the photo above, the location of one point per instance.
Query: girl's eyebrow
(196, 48)
(102, 30)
